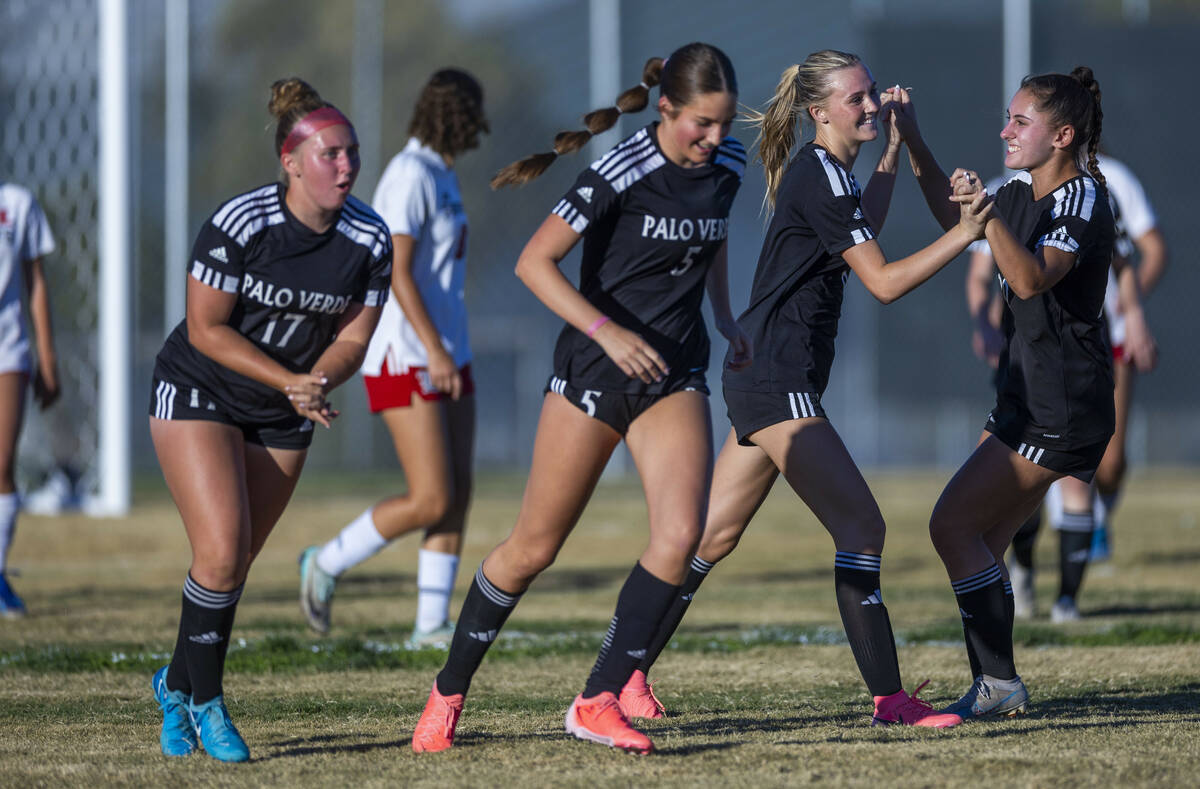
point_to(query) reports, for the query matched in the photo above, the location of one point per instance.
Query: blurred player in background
(1052, 235)
(1082, 512)
(822, 229)
(418, 366)
(25, 239)
(653, 215)
(287, 283)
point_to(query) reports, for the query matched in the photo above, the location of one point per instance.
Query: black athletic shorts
(750, 412)
(171, 402)
(1078, 462)
(618, 409)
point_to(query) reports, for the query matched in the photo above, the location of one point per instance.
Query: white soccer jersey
(24, 235)
(1135, 217)
(418, 196)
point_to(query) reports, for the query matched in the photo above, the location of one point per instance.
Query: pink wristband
(596, 324)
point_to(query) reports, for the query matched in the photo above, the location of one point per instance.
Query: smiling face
(848, 114)
(1030, 136)
(321, 171)
(690, 133)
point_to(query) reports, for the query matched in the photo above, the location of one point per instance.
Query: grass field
(761, 688)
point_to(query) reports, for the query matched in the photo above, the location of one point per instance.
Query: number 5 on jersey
(687, 262)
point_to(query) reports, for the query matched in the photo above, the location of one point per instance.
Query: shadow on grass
(329, 744)
(1143, 610)
(1171, 558)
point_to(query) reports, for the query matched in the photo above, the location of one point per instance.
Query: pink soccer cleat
(600, 719)
(435, 729)
(638, 700)
(910, 711)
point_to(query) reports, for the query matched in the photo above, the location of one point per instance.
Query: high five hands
(974, 202)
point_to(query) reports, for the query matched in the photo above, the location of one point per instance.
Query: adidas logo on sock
(210, 637)
(964, 614)
(687, 597)
(486, 636)
(637, 654)
(1076, 557)
(585, 192)
(876, 598)
(218, 253)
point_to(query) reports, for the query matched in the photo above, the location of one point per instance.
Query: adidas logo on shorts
(218, 254)
(585, 192)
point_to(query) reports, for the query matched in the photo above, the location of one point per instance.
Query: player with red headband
(287, 283)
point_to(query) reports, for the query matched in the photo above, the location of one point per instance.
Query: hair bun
(288, 93)
(1087, 79)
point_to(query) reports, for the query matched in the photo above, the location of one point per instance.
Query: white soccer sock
(1054, 506)
(356, 543)
(10, 504)
(435, 582)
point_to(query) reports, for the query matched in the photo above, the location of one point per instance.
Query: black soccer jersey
(796, 298)
(651, 230)
(292, 286)
(1055, 382)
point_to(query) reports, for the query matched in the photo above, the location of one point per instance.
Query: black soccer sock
(986, 621)
(865, 619)
(206, 622)
(641, 605)
(1010, 615)
(1025, 537)
(679, 606)
(484, 612)
(1074, 548)
(177, 673)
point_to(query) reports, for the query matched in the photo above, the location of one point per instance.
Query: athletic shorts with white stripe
(752, 411)
(1080, 462)
(174, 403)
(618, 409)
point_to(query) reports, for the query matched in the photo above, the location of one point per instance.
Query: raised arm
(889, 281)
(538, 268)
(877, 197)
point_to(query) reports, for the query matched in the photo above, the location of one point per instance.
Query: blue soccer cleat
(217, 733)
(178, 737)
(11, 605)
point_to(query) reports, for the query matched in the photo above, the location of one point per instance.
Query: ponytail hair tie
(644, 85)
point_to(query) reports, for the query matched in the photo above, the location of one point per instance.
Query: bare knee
(220, 571)
(719, 540)
(525, 561)
(431, 505)
(864, 534)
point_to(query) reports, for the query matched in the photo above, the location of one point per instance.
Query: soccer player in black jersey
(287, 282)
(1052, 235)
(822, 228)
(630, 363)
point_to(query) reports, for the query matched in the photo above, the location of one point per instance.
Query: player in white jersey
(25, 239)
(417, 369)
(1078, 511)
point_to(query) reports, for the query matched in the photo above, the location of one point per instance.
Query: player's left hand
(739, 342)
(45, 386)
(1140, 348)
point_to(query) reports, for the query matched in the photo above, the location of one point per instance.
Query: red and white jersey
(418, 196)
(24, 235)
(1134, 217)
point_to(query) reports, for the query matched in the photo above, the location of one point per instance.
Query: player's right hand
(306, 393)
(631, 353)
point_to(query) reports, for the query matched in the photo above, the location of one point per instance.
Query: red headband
(312, 123)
